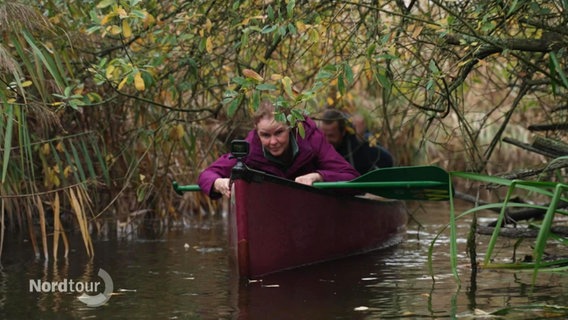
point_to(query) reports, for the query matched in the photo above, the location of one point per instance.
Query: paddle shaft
(376, 185)
(346, 185)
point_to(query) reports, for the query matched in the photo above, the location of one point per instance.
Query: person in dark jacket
(356, 150)
(277, 149)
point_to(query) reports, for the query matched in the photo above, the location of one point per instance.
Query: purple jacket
(315, 154)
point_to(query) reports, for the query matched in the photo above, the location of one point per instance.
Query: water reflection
(184, 274)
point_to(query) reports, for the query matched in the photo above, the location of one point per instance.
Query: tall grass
(43, 161)
(552, 191)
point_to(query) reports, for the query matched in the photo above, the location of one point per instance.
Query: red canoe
(276, 224)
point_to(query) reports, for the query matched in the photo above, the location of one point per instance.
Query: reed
(43, 155)
(540, 189)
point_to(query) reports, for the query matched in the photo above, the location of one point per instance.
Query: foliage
(553, 190)
(114, 98)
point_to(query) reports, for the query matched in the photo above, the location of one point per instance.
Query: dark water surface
(185, 275)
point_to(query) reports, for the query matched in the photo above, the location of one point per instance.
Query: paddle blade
(181, 189)
(408, 183)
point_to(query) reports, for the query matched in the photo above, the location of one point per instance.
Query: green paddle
(405, 183)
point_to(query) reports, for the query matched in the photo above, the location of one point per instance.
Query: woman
(278, 150)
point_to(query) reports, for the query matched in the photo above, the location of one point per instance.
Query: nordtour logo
(86, 288)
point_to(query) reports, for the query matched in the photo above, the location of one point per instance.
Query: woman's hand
(222, 186)
(309, 178)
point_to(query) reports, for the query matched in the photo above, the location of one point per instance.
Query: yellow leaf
(137, 45)
(45, 149)
(109, 70)
(177, 132)
(287, 83)
(301, 26)
(114, 30)
(313, 35)
(149, 20)
(51, 178)
(122, 13)
(106, 18)
(276, 77)
(208, 25)
(122, 83)
(209, 45)
(252, 74)
(417, 31)
(67, 171)
(27, 83)
(126, 31)
(59, 146)
(139, 82)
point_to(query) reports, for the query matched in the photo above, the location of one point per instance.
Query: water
(184, 274)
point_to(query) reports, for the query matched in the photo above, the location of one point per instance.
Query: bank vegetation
(105, 103)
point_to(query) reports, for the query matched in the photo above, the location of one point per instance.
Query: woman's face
(273, 135)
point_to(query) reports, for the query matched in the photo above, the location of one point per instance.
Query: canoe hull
(276, 225)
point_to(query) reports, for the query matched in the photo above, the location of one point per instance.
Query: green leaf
(371, 49)
(330, 68)
(559, 69)
(240, 81)
(383, 80)
(341, 84)
(230, 94)
(433, 67)
(77, 162)
(268, 29)
(233, 107)
(301, 130)
(322, 74)
(255, 100)
(290, 8)
(292, 28)
(280, 117)
(266, 87)
(138, 14)
(282, 31)
(297, 115)
(105, 3)
(7, 139)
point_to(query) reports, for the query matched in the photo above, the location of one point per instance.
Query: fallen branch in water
(516, 233)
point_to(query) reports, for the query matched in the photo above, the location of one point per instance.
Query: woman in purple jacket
(278, 150)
